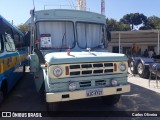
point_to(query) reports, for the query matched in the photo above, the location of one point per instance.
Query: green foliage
(134, 19)
(152, 23)
(113, 25)
(23, 28)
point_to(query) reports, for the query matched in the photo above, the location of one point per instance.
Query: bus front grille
(85, 69)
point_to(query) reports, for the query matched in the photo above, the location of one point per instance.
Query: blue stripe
(13, 54)
(11, 76)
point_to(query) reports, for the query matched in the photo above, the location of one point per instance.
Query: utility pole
(103, 7)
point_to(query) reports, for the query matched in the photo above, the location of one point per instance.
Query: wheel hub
(131, 66)
(140, 68)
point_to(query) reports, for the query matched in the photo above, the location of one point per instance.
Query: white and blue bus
(13, 56)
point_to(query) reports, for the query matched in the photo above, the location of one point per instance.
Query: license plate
(94, 92)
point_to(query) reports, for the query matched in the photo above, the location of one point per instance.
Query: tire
(1, 97)
(3, 91)
(111, 100)
(133, 67)
(52, 107)
(143, 71)
(42, 93)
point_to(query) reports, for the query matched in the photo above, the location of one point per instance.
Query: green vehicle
(70, 60)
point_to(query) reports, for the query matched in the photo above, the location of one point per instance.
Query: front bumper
(75, 95)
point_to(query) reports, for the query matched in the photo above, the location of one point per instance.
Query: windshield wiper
(62, 41)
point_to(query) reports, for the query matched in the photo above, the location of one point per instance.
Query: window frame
(37, 32)
(2, 43)
(19, 40)
(7, 42)
(89, 23)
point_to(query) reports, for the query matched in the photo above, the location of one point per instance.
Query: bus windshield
(56, 35)
(90, 35)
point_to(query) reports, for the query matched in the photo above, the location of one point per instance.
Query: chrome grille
(74, 66)
(75, 73)
(97, 65)
(86, 65)
(95, 83)
(84, 69)
(100, 83)
(108, 70)
(98, 71)
(85, 84)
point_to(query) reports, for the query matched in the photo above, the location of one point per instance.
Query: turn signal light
(46, 64)
(115, 67)
(67, 70)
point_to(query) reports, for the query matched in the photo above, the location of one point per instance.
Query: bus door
(11, 61)
(20, 52)
(18, 41)
(1, 50)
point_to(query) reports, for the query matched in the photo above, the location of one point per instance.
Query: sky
(19, 10)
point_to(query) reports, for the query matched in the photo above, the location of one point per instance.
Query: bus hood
(79, 57)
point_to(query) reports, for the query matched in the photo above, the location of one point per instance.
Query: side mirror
(109, 36)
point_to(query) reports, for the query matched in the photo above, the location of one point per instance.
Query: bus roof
(66, 14)
(10, 25)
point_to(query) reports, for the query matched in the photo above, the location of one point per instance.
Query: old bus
(70, 60)
(13, 56)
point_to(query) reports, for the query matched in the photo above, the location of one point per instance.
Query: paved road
(25, 98)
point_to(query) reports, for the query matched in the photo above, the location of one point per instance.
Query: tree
(134, 19)
(123, 27)
(23, 28)
(113, 25)
(152, 23)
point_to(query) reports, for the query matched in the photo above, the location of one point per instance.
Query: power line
(70, 3)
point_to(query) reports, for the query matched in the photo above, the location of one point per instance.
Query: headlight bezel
(122, 67)
(59, 69)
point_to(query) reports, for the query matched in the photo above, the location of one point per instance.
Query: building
(124, 41)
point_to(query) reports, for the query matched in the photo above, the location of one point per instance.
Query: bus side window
(17, 41)
(1, 43)
(10, 46)
(9, 43)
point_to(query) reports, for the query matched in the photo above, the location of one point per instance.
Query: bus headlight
(122, 67)
(57, 71)
(72, 86)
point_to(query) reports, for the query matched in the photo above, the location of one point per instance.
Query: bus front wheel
(24, 69)
(51, 107)
(1, 96)
(3, 91)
